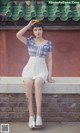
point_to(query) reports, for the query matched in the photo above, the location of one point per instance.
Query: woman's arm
(20, 33)
(50, 67)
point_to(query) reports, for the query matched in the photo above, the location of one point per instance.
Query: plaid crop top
(38, 50)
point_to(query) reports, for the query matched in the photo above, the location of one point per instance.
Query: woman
(36, 72)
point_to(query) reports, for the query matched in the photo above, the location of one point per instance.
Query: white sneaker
(39, 121)
(31, 122)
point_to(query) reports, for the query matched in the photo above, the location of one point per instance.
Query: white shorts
(36, 67)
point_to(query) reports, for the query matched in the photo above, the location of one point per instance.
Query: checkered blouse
(38, 50)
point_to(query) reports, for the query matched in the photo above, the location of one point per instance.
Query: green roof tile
(65, 12)
(9, 9)
(53, 12)
(29, 11)
(41, 11)
(16, 10)
(76, 12)
(4, 2)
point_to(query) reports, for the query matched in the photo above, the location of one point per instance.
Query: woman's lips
(38, 34)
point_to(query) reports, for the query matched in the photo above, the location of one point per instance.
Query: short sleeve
(50, 46)
(29, 40)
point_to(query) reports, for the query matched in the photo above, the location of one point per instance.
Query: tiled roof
(16, 10)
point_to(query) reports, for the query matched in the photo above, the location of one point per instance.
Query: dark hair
(38, 24)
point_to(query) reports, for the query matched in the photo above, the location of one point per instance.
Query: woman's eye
(35, 30)
(40, 29)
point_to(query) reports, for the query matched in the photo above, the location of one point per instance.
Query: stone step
(62, 85)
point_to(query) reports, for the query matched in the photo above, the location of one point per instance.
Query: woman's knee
(39, 81)
(28, 83)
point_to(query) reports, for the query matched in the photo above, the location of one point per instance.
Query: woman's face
(38, 31)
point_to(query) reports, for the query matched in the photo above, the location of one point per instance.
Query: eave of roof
(16, 10)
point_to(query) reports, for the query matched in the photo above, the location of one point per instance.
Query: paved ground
(49, 127)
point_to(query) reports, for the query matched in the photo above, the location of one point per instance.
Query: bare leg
(28, 84)
(38, 83)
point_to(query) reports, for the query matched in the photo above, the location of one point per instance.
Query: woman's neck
(39, 39)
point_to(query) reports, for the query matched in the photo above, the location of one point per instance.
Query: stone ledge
(63, 85)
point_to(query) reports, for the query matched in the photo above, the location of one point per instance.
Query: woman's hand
(51, 80)
(32, 22)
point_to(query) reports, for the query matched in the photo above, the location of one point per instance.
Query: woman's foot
(31, 122)
(39, 122)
